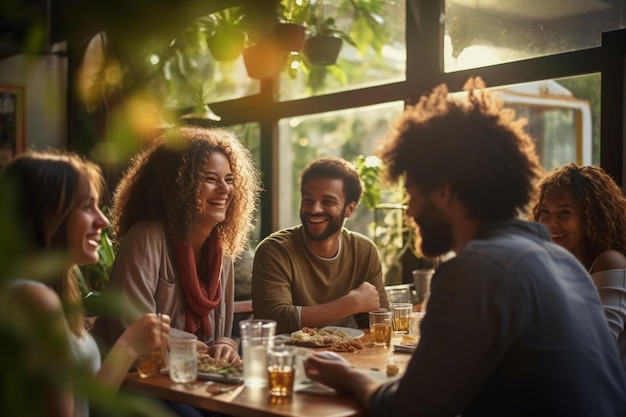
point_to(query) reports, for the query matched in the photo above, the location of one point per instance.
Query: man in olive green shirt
(319, 273)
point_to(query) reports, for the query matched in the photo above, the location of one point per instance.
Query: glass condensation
(487, 32)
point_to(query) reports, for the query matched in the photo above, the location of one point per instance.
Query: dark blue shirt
(514, 327)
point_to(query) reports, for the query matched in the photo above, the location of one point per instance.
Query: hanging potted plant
(226, 36)
(263, 59)
(323, 45)
(290, 31)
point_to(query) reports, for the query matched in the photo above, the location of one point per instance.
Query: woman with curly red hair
(585, 212)
(181, 214)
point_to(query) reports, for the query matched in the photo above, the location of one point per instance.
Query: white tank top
(85, 352)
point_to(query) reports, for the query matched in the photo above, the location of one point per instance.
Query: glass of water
(256, 337)
(183, 357)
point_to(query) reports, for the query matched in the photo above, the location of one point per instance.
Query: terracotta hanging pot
(227, 45)
(289, 36)
(263, 60)
(322, 49)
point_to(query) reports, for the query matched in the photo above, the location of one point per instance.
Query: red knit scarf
(202, 295)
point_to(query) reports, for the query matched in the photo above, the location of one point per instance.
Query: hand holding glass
(150, 364)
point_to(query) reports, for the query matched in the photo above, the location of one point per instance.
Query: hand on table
(338, 374)
(332, 372)
(224, 351)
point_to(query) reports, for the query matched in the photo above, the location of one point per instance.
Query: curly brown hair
(600, 200)
(476, 147)
(163, 184)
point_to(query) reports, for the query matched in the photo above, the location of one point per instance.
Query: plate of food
(322, 337)
(210, 369)
(350, 332)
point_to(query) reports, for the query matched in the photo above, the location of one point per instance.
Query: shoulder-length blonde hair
(163, 184)
(50, 186)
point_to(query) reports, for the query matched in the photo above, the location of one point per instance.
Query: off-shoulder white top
(611, 286)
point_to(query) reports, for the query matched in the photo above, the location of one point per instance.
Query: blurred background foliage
(172, 63)
(393, 232)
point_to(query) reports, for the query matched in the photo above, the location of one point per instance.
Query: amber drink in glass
(380, 327)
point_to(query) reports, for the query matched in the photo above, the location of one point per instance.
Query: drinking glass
(257, 335)
(183, 357)
(281, 369)
(150, 364)
(380, 327)
(400, 314)
(414, 323)
(398, 293)
(421, 279)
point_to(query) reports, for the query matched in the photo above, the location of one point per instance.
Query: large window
(373, 52)
(548, 60)
(562, 117)
(378, 56)
(488, 32)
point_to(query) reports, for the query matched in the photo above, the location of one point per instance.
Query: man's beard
(333, 226)
(436, 232)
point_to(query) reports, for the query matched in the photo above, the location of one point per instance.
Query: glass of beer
(281, 370)
(401, 314)
(150, 364)
(380, 327)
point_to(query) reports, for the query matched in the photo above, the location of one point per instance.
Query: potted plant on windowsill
(226, 36)
(323, 45)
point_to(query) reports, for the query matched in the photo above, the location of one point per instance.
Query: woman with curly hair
(585, 212)
(181, 214)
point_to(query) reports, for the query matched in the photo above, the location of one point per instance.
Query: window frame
(425, 70)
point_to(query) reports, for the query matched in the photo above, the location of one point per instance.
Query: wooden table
(246, 401)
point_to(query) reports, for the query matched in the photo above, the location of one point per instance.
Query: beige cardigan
(144, 275)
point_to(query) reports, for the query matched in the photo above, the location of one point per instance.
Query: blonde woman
(57, 205)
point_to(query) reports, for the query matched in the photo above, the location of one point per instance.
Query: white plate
(350, 332)
(287, 339)
(353, 333)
